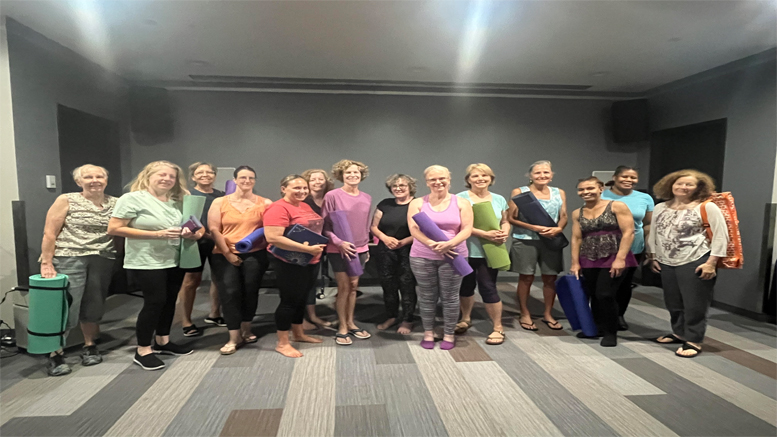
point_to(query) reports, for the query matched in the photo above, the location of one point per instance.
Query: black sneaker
(622, 325)
(218, 321)
(172, 349)
(148, 362)
(91, 356)
(57, 366)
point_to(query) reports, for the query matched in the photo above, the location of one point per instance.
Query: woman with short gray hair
(389, 224)
(76, 243)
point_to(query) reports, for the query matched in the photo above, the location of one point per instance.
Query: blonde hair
(328, 186)
(341, 166)
(479, 167)
(78, 172)
(436, 167)
(198, 164)
(704, 189)
(140, 182)
(411, 183)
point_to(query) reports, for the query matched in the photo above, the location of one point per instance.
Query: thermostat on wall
(51, 181)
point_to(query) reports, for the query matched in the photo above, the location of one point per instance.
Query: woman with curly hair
(389, 224)
(679, 249)
(320, 183)
(356, 206)
(150, 217)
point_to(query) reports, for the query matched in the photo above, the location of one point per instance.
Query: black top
(209, 198)
(309, 200)
(393, 222)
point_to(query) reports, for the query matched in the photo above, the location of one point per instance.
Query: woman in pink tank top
(434, 275)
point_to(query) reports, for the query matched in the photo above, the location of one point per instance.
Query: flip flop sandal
(229, 349)
(191, 331)
(675, 339)
(250, 339)
(462, 327)
(531, 326)
(343, 337)
(359, 333)
(552, 324)
(686, 347)
(494, 341)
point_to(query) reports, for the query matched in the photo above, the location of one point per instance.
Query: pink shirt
(357, 209)
(449, 222)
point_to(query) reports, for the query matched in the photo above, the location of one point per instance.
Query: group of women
(608, 243)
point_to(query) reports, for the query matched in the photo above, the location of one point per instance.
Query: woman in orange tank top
(238, 276)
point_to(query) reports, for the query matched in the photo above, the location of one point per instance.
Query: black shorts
(206, 246)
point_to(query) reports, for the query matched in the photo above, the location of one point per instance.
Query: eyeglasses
(399, 186)
(203, 173)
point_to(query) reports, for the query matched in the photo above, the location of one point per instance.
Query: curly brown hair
(329, 183)
(340, 166)
(704, 189)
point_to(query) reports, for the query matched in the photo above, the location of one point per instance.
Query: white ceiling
(627, 46)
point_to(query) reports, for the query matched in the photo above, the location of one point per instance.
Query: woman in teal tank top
(527, 250)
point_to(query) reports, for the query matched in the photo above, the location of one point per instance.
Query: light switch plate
(51, 181)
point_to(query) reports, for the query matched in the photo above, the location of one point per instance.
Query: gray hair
(78, 171)
(196, 165)
(436, 167)
(411, 182)
(541, 162)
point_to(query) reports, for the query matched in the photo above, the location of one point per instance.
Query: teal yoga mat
(485, 220)
(49, 305)
(190, 253)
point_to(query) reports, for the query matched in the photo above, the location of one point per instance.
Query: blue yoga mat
(574, 302)
(431, 230)
(299, 234)
(531, 209)
(251, 240)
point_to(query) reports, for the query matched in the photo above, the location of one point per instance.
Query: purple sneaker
(447, 345)
(427, 344)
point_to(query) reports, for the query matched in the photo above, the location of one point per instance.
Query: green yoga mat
(48, 313)
(190, 253)
(485, 220)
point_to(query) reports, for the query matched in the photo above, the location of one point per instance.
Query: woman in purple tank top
(435, 277)
(602, 233)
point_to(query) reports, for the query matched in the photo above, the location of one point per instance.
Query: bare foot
(306, 339)
(321, 322)
(288, 351)
(405, 328)
(307, 326)
(387, 323)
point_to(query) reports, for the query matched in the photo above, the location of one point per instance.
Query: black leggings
(485, 278)
(160, 290)
(624, 291)
(396, 277)
(602, 289)
(239, 285)
(294, 283)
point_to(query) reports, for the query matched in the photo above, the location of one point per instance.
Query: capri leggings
(484, 277)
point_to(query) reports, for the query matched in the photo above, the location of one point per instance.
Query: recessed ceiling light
(149, 22)
(197, 63)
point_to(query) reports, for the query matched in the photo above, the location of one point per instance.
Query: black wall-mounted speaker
(151, 118)
(630, 121)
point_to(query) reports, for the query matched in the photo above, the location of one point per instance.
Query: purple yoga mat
(431, 230)
(230, 187)
(343, 231)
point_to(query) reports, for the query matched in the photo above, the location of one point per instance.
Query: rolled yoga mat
(535, 214)
(230, 187)
(246, 244)
(574, 302)
(49, 305)
(190, 252)
(343, 231)
(431, 230)
(485, 219)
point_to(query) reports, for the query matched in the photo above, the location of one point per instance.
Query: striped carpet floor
(537, 383)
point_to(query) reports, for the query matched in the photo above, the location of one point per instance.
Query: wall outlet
(51, 181)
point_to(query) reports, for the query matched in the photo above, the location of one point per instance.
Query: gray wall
(746, 97)
(278, 134)
(44, 74)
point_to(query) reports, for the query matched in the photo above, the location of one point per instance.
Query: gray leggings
(688, 298)
(436, 278)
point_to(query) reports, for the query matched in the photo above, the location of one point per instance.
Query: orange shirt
(236, 225)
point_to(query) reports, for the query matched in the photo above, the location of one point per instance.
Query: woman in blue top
(478, 178)
(527, 250)
(641, 206)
